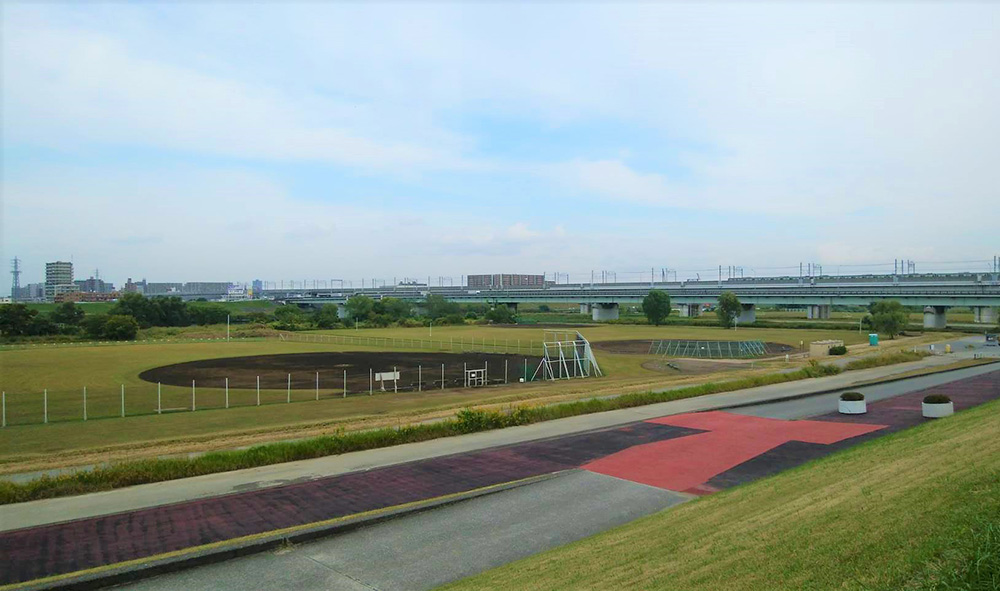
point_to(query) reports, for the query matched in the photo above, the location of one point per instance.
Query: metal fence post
(288, 390)
(159, 399)
(505, 371)
(3, 396)
(227, 392)
(192, 396)
(345, 383)
(442, 376)
(420, 376)
(317, 385)
(258, 390)
(45, 406)
(85, 403)
(371, 381)
(123, 401)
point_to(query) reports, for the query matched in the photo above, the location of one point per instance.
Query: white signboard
(385, 376)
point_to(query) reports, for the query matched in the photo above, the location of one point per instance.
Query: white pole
(317, 385)
(3, 396)
(85, 403)
(288, 390)
(395, 380)
(227, 392)
(505, 371)
(123, 400)
(371, 381)
(159, 399)
(45, 406)
(420, 376)
(345, 383)
(465, 370)
(486, 373)
(258, 390)
(192, 397)
(442, 376)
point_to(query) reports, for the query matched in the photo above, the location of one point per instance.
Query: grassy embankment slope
(899, 512)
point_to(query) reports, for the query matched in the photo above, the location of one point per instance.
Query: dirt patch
(692, 367)
(274, 370)
(641, 347)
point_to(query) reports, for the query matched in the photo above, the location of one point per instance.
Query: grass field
(899, 512)
(65, 370)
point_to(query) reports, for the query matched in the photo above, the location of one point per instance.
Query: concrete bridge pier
(748, 315)
(934, 317)
(984, 315)
(690, 310)
(604, 312)
(585, 308)
(818, 312)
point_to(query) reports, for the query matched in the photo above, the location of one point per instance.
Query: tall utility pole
(15, 271)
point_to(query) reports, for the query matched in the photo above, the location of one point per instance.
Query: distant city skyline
(346, 140)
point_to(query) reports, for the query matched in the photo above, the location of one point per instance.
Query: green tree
(728, 309)
(138, 307)
(93, 325)
(16, 320)
(438, 307)
(656, 306)
(205, 314)
(544, 308)
(888, 317)
(501, 314)
(121, 328)
(67, 313)
(327, 316)
(394, 308)
(359, 307)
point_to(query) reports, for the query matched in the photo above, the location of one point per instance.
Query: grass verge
(465, 421)
(886, 359)
(919, 510)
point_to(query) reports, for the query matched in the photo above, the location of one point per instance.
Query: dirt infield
(641, 347)
(274, 370)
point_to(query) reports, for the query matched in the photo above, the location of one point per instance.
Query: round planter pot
(853, 407)
(936, 411)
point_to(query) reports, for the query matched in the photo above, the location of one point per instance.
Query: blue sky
(228, 141)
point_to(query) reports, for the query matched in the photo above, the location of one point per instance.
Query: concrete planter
(936, 411)
(853, 407)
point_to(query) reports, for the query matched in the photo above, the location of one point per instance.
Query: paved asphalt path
(421, 551)
(424, 550)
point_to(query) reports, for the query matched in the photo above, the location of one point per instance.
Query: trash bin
(873, 339)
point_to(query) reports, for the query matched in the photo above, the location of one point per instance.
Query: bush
(852, 396)
(936, 399)
(838, 350)
(121, 328)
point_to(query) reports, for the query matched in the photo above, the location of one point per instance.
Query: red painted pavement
(685, 464)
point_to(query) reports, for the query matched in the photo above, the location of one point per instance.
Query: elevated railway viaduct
(935, 293)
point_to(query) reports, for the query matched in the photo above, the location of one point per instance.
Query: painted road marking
(685, 464)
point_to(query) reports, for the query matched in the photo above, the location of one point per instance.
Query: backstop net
(566, 355)
(708, 349)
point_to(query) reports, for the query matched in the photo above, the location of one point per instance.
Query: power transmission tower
(15, 286)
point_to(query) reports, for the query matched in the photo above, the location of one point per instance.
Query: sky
(228, 141)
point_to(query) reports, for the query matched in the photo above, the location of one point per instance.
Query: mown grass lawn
(894, 513)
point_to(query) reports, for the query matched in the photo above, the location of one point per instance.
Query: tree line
(887, 317)
(132, 312)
